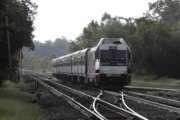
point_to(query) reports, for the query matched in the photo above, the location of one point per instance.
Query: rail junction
(104, 104)
(94, 107)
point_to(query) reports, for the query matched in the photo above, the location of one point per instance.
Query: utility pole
(20, 66)
(8, 45)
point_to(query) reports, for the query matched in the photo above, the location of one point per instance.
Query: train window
(113, 57)
(67, 62)
(111, 41)
(75, 61)
(117, 42)
(78, 60)
(97, 53)
(83, 60)
(72, 60)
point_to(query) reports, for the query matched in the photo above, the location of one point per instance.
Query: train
(107, 65)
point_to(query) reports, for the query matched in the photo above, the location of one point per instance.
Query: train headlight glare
(97, 64)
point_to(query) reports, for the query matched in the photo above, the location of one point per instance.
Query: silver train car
(106, 65)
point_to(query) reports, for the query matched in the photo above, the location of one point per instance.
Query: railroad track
(161, 92)
(133, 88)
(156, 101)
(93, 107)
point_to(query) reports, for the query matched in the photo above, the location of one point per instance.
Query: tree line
(40, 58)
(16, 27)
(154, 38)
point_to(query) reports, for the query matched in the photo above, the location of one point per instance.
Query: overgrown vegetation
(16, 104)
(154, 81)
(154, 38)
(16, 26)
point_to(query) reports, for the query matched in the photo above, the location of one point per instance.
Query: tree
(105, 17)
(90, 35)
(156, 42)
(168, 11)
(74, 46)
(40, 58)
(61, 43)
(19, 15)
(113, 27)
(108, 27)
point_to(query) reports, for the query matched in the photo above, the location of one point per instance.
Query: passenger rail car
(106, 65)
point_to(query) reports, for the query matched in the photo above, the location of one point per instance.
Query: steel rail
(97, 99)
(58, 93)
(151, 89)
(162, 100)
(124, 103)
(158, 105)
(73, 90)
(94, 105)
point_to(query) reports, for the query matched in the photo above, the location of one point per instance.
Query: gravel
(57, 108)
(152, 113)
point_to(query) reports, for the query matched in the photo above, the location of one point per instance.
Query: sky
(67, 18)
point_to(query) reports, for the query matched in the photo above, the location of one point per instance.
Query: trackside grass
(17, 105)
(153, 81)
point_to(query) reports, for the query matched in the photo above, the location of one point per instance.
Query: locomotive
(107, 65)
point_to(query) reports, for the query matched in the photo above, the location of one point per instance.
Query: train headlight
(97, 64)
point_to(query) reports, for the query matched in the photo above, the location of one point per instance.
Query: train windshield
(113, 57)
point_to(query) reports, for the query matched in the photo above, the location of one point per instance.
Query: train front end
(113, 63)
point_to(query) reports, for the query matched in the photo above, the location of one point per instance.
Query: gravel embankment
(152, 113)
(58, 108)
(55, 108)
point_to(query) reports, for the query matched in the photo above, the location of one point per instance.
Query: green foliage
(156, 41)
(61, 43)
(168, 11)
(90, 35)
(16, 18)
(153, 81)
(20, 19)
(155, 48)
(109, 27)
(15, 104)
(74, 46)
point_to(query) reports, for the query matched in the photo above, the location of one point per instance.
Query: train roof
(71, 54)
(112, 41)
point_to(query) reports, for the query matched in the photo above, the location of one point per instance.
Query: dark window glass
(113, 57)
